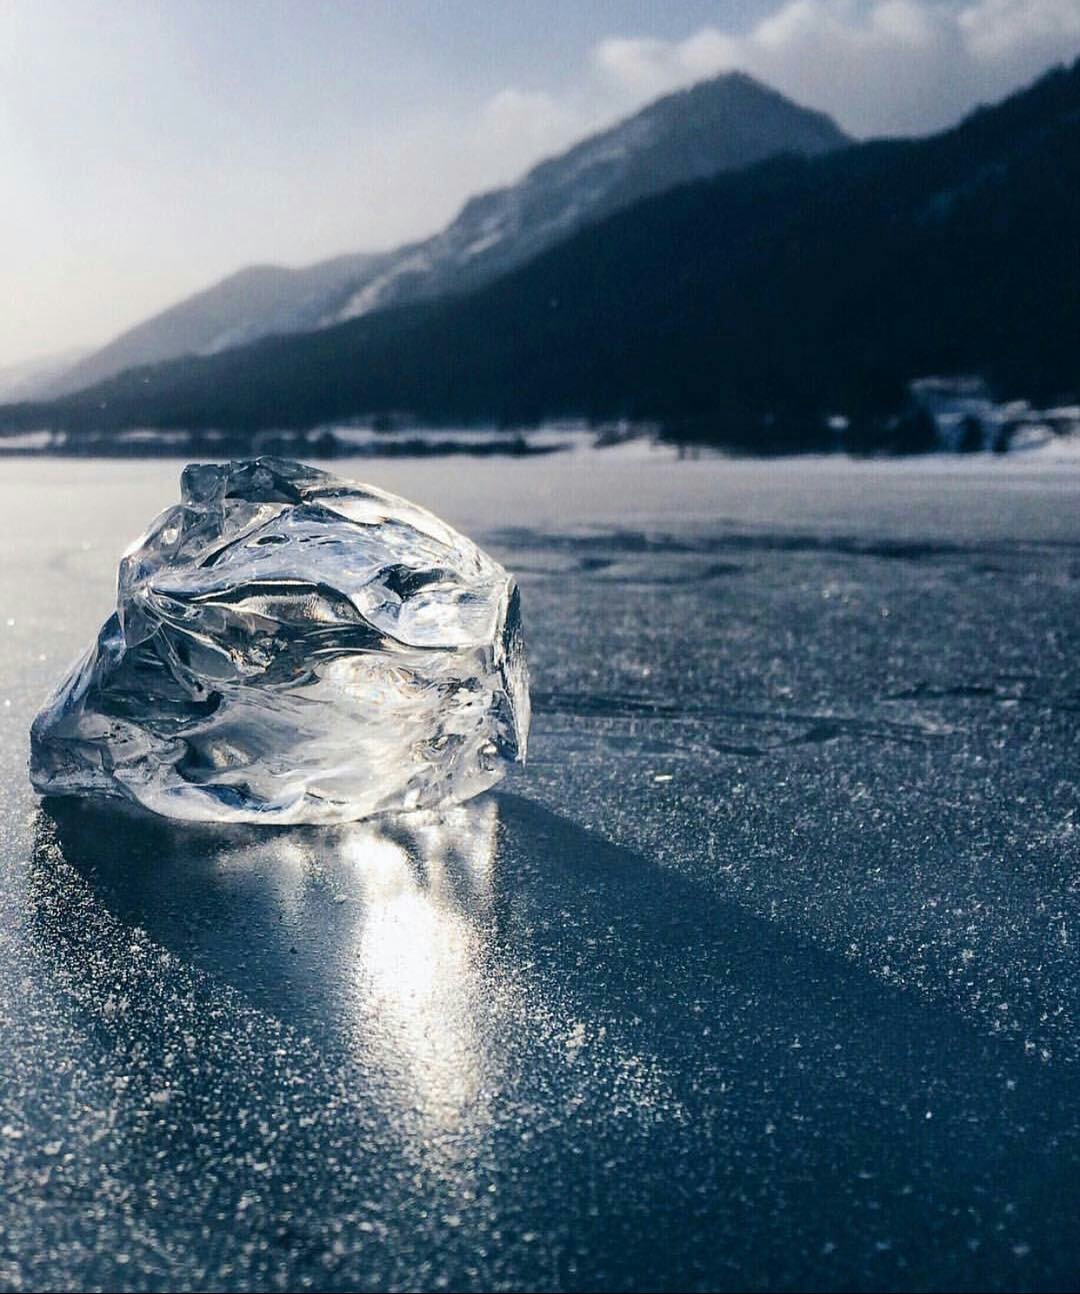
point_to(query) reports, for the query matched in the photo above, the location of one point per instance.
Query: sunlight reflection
(423, 972)
(380, 931)
(384, 942)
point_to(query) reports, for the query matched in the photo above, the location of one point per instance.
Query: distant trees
(972, 436)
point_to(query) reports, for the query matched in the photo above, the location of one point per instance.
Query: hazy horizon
(153, 149)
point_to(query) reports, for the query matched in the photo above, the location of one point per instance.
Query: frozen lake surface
(762, 975)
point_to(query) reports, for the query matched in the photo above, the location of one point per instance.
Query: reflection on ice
(437, 964)
(373, 935)
(423, 977)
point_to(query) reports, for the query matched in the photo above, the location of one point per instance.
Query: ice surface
(292, 647)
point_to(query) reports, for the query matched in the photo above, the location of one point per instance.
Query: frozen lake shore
(762, 974)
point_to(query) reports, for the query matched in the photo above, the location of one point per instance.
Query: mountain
(717, 125)
(748, 308)
(252, 303)
(24, 380)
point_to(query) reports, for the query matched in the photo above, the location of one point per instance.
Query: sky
(149, 147)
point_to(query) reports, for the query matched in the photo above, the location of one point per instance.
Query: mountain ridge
(722, 123)
(749, 309)
(215, 318)
(673, 140)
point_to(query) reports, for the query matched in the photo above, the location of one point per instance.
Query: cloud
(515, 127)
(879, 66)
(1001, 29)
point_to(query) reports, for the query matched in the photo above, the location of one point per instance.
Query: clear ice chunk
(293, 647)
